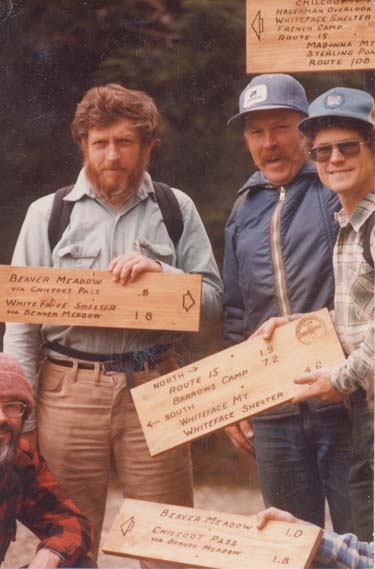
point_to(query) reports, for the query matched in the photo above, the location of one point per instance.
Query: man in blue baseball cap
(340, 139)
(278, 260)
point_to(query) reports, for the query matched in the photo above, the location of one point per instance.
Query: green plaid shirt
(354, 299)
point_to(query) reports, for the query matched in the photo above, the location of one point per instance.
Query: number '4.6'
(318, 365)
(281, 560)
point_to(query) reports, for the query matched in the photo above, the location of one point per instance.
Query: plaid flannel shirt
(354, 299)
(30, 494)
(343, 551)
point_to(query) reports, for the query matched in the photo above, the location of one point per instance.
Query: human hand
(127, 268)
(242, 436)
(320, 387)
(277, 515)
(45, 559)
(268, 327)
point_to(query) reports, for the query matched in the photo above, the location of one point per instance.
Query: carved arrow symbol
(188, 301)
(258, 25)
(127, 526)
(192, 369)
(152, 423)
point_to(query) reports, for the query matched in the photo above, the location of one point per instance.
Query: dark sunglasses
(347, 148)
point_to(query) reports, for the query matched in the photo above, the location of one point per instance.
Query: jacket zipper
(277, 257)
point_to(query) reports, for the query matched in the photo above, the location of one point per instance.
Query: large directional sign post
(82, 297)
(233, 384)
(202, 538)
(317, 35)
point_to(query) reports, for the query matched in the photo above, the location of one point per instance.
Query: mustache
(271, 155)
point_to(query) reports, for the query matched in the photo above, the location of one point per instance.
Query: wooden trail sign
(82, 297)
(202, 538)
(309, 35)
(233, 384)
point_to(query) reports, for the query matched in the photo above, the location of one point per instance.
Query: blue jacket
(278, 255)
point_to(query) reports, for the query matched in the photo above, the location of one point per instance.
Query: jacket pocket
(77, 256)
(157, 251)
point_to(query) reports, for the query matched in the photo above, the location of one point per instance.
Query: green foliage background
(188, 54)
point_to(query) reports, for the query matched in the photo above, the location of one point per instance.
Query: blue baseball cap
(272, 91)
(340, 102)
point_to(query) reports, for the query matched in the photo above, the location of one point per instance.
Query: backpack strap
(167, 201)
(60, 216)
(170, 211)
(369, 227)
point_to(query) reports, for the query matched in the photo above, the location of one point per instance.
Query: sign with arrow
(296, 36)
(81, 297)
(233, 384)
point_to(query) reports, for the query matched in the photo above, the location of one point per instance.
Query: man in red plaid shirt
(28, 492)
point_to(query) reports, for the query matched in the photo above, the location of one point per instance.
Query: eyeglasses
(347, 148)
(13, 408)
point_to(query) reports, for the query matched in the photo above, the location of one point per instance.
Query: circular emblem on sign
(309, 329)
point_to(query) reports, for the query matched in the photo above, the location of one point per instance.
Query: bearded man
(86, 416)
(28, 492)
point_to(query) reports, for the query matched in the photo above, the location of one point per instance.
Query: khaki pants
(86, 420)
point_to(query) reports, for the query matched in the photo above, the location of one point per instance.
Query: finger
(137, 269)
(125, 273)
(120, 260)
(252, 450)
(143, 266)
(273, 513)
(245, 428)
(262, 519)
(118, 267)
(269, 514)
(247, 431)
(305, 380)
(246, 447)
(267, 331)
(304, 395)
(257, 332)
(238, 439)
(113, 264)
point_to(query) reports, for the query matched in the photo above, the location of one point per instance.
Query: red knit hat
(13, 383)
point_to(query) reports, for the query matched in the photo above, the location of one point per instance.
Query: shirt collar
(83, 187)
(360, 215)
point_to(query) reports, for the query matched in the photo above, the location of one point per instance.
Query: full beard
(116, 185)
(8, 450)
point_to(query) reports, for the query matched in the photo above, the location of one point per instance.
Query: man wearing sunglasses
(278, 260)
(341, 140)
(28, 492)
